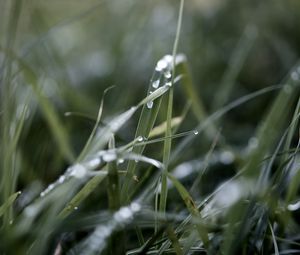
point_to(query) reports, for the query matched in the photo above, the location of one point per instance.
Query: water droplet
(168, 74)
(136, 161)
(120, 161)
(11, 222)
(150, 104)
(227, 157)
(75, 208)
(168, 59)
(155, 84)
(135, 207)
(196, 132)
(61, 179)
(109, 156)
(42, 194)
(169, 84)
(161, 65)
(123, 214)
(78, 171)
(140, 139)
(294, 207)
(94, 162)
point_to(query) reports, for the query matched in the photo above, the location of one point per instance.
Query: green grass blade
(113, 182)
(82, 194)
(8, 203)
(192, 208)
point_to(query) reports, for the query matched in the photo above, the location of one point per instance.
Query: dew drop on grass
(120, 161)
(140, 139)
(61, 179)
(78, 171)
(168, 74)
(155, 84)
(294, 207)
(150, 104)
(135, 207)
(161, 65)
(109, 156)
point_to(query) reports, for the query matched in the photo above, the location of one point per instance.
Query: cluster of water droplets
(97, 241)
(162, 75)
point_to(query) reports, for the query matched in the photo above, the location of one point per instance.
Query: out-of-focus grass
(128, 176)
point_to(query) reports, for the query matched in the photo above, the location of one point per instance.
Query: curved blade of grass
(160, 129)
(89, 141)
(192, 208)
(8, 203)
(271, 126)
(274, 240)
(113, 182)
(82, 194)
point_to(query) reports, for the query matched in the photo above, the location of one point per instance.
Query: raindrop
(94, 163)
(155, 84)
(61, 179)
(196, 132)
(140, 139)
(168, 74)
(294, 207)
(150, 104)
(135, 207)
(109, 156)
(78, 171)
(123, 214)
(161, 65)
(120, 161)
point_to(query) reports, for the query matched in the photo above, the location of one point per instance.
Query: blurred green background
(77, 49)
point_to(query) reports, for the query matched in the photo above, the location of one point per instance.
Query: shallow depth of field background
(77, 49)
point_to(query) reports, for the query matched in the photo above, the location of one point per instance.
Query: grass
(163, 170)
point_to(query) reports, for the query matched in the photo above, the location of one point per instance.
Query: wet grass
(159, 174)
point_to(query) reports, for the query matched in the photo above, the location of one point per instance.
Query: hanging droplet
(150, 104)
(120, 161)
(196, 132)
(161, 65)
(168, 74)
(155, 84)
